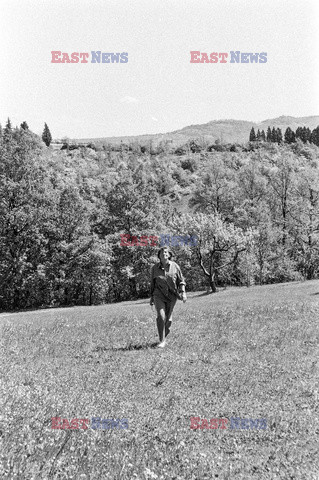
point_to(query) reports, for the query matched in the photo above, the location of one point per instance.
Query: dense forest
(254, 209)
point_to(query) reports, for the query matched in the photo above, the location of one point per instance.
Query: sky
(158, 90)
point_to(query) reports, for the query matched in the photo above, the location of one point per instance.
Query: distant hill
(227, 131)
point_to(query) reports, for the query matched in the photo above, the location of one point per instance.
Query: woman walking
(167, 284)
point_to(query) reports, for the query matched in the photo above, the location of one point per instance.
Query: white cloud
(128, 99)
(155, 119)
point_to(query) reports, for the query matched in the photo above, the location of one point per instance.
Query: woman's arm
(181, 284)
(180, 280)
(152, 286)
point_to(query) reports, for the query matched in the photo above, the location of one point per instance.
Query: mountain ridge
(224, 130)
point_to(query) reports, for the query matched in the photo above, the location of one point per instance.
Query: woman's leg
(168, 314)
(160, 309)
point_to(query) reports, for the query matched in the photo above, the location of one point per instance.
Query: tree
(306, 227)
(274, 135)
(219, 243)
(264, 243)
(263, 136)
(281, 177)
(268, 134)
(131, 207)
(46, 135)
(194, 146)
(289, 135)
(279, 135)
(315, 136)
(304, 134)
(252, 135)
(23, 193)
(8, 129)
(307, 134)
(251, 191)
(299, 133)
(71, 247)
(24, 126)
(216, 190)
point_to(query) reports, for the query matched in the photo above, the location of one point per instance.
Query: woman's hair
(165, 248)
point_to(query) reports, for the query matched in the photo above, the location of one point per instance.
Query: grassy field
(248, 353)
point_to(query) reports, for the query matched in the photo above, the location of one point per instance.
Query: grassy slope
(249, 353)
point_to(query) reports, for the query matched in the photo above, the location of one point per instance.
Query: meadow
(248, 353)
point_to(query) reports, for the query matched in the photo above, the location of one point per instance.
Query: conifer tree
(315, 136)
(307, 134)
(303, 134)
(258, 134)
(268, 134)
(46, 135)
(7, 131)
(279, 135)
(252, 135)
(273, 135)
(299, 132)
(24, 126)
(289, 135)
(263, 136)
(8, 127)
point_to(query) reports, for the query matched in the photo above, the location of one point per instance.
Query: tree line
(255, 212)
(275, 135)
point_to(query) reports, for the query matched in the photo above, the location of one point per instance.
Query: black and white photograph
(159, 240)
